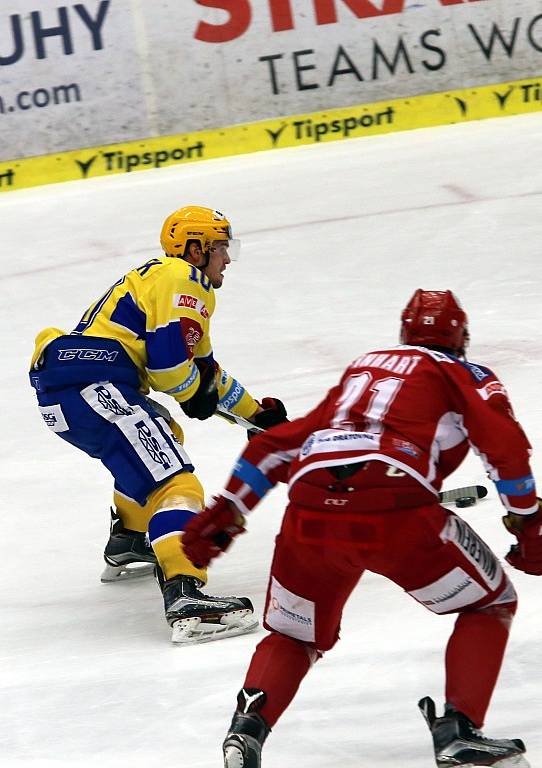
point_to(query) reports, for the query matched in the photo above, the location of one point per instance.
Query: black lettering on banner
(94, 25)
(275, 135)
(401, 53)
(61, 29)
(350, 68)
(463, 106)
(390, 60)
(7, 178)
(272, 71)
(496, 34)
(18, 42)
(117, 160)
(439, 51)
(502, 98)
(316, 131)
(43, 97)
(531, 92)
(301, 86)
(530, 33)
(85, 165)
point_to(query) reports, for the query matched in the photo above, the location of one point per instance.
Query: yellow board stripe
(446, 108)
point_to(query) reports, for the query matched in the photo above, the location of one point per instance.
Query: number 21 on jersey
(382, 394)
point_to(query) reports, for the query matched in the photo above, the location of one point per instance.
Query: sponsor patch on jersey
(186, 384)
(491, 388)
(521, 486)
(477, 372)
(232, 396)
(192, 333)
(290, 614)
(190, 302)
(405, 447)
(101, 355)
(458, 532)
(54, 418)
(456, 589)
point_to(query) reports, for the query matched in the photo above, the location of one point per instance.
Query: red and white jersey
(416, 409)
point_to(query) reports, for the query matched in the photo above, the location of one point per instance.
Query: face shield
(232, 247)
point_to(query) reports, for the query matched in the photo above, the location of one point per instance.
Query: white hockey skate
(195, 617)
(457, 742)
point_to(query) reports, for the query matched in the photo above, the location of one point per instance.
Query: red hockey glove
(526, 555)
(212, 531)
(273, 413)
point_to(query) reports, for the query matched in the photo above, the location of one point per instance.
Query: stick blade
(475, 491)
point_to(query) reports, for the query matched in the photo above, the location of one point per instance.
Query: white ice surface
(335, 239)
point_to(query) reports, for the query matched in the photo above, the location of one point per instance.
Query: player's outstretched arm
(212, 531)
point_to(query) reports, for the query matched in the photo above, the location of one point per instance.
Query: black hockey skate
(242, 746)
(457, 741)
(198, 618)
(128, 554)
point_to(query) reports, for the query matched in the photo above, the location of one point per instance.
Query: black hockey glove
(203, 403)
(273, 413)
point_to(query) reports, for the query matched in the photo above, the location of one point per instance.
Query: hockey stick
(234, 419)
(469, 493)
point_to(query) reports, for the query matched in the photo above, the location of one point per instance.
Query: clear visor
(231, 247)
(234, 249)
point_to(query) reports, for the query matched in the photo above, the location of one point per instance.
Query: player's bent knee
(183, 489)
(504, 606)
(174, 504)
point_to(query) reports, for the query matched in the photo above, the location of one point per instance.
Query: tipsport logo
(307, 130)
(7, 178)
(125, 162)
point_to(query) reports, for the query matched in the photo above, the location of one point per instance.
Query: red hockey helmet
(435, 319)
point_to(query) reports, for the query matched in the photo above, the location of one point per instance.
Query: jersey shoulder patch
(479, 373)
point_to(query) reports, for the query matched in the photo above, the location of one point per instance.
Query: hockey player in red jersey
(363, 471)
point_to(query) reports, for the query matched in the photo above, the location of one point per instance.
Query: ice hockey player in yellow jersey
(150, 331)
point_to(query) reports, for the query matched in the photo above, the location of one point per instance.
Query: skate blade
(233, 757)
(193, 631)
(113, 573)
(516, 761)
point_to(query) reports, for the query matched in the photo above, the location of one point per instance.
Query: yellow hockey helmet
(193, 223)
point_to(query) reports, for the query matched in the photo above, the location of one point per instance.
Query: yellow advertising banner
(504, 99)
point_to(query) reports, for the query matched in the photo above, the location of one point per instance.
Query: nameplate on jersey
(333, 440)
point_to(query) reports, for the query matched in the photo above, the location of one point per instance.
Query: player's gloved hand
(211, 532)
(203, 403)
(526, 555)
(273, 413)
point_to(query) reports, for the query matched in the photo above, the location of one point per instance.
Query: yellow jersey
(160, 313)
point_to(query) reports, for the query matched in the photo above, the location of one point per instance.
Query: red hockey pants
(320, 555)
